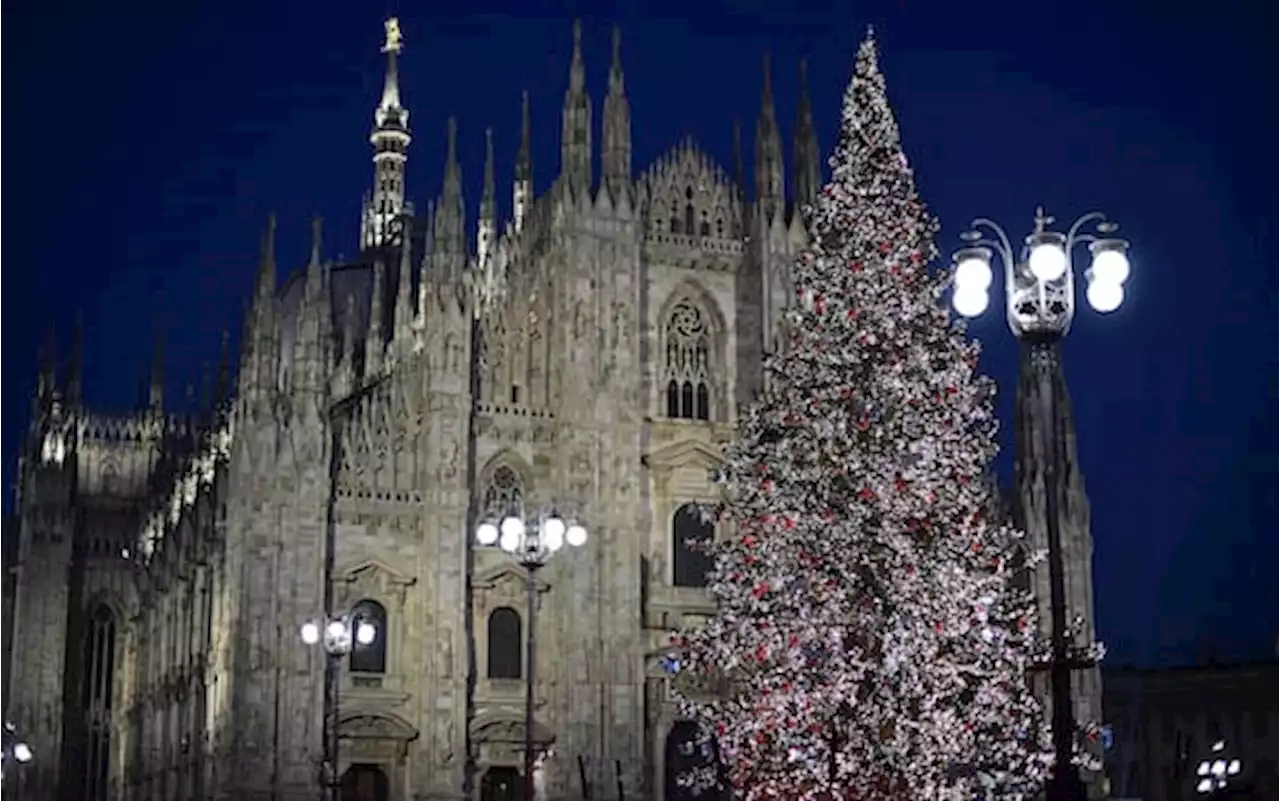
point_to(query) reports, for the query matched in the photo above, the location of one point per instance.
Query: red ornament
(885, 247)
(749, 541)
(915, 257)
(761, 590)
(937, 627)
(899, 484)
(819, 304)
(866, 494)
(855, 266)
(863, 424)
(951, 390)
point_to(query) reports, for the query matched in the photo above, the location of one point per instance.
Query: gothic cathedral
(591, 352)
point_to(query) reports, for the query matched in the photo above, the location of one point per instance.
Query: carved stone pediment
(376, 726)
(689, 453)
(375, 575)
(506, 580)
(502, 727)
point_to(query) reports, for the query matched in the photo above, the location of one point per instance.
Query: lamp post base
(1066, 786)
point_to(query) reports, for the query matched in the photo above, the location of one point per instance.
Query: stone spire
(405, 302)
(1050, 505)
(522, 190)
(806, 175)
(575, 131)
(739, 171)
(769, 177)
(450, 243)
(390, 140)
(155, 382)
(75, 367)
(617, 126)
(374, 344)
(313, 336)
(487, 225)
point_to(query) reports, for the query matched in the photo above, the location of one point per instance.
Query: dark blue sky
(146, 142)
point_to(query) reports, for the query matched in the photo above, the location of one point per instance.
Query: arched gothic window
(504, 492)
(99, 674)
(369, 657)
(505, 644)
(687, 368)
(688, 750)
(691, 535)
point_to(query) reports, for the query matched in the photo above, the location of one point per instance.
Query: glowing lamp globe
(969, 302)
(336, 630)
(1048, 261)
(973, 273)
(486, 534)
(366, 633)
(576, 536)
(310, 633)
(553, 530)
(1110, 265)
(1104, 296)
(22, 753)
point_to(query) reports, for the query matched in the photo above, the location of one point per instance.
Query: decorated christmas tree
(870, 640)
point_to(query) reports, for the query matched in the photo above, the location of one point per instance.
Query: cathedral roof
(687, 194)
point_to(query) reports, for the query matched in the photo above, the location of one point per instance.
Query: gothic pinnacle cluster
(387, 202)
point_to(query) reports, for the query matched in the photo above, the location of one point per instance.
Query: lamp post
(17, 751)
(338, 634)
(1039, 283)
(1212, 774)
(531, 544)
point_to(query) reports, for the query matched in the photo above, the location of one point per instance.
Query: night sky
(146, 142)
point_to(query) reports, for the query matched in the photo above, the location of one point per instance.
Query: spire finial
(317, 239)
(451, 128)
(395, 40)
(871, 32)
(577, 73)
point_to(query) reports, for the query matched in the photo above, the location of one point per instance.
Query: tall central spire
(522, 191)
(806, 175)
(575, 131)
(390, 140)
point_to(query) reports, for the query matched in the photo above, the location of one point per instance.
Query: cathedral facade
(591, 352)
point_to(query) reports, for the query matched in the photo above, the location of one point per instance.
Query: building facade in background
(1165, 722)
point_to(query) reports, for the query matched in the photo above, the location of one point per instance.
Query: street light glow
(310, 633)
(366, 633)
(576, 536)
(969, 301)
(1048, 261)
(1109, 263)
(973, 272)
(486, 534)
(22, 753)
(1104, 296)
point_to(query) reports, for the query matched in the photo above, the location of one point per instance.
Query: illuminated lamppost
(338, 634)
(531, 544)
(15, 750)
(1213, 773)
(1039, 285)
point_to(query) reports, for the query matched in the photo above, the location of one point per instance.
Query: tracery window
(99, 674)
(687, 368)
(691, 535)
(370, 657)
(505, 644)
(504, 492)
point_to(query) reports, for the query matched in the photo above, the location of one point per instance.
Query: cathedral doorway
(685, 754)
(501, 783)
(365, 783)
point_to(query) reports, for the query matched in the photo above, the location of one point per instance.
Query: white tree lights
(1040, 287)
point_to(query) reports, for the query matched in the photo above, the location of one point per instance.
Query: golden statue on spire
(395, 40)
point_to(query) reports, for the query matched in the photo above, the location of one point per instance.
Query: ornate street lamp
(531, 544)
(1039, 285)
(15, 751)
(338, 635)
(1212, 774)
